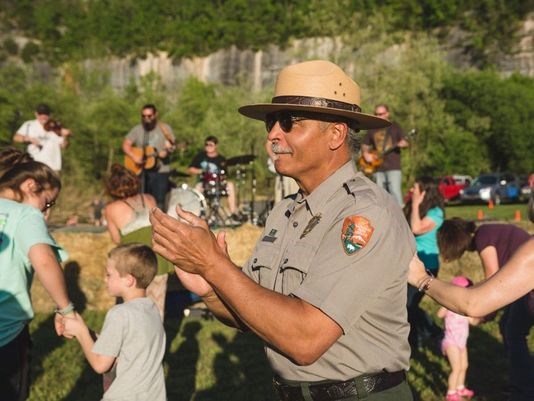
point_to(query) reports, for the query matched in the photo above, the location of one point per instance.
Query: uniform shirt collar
(320, 195)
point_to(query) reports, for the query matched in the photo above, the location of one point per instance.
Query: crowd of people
(334, 284)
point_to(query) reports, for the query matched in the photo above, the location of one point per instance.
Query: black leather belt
(330, 391)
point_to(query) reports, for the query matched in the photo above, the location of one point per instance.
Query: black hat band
(316, 102)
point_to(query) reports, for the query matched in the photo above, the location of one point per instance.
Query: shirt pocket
(262, 266)
(295, 265)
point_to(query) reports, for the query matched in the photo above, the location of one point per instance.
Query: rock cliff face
(228, 66)
(231, 66)
(523, 60)
(520, 59)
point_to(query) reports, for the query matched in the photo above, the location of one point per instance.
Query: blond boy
(133, 335)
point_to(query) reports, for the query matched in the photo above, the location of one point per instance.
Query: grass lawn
(206, 361)
(505, 212)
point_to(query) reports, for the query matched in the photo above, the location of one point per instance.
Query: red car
(450, 186)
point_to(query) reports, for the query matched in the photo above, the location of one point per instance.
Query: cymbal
(176, 173)
(243, 159)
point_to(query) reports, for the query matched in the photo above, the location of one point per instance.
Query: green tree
(409, 79)
(505, 105)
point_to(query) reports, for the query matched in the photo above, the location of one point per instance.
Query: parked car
(450, 186)
(498, 187)
(526, 183)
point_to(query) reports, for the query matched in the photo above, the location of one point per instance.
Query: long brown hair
(44, 177)
(455, 236)
(433, 198)
(9, 156)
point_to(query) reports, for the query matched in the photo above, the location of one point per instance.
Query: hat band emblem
(316, 102)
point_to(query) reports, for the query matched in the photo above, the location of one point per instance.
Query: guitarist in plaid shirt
(147, 149)
(381, 154)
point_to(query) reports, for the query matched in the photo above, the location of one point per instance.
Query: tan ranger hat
(317, 86)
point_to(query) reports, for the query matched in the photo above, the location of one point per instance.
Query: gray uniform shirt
(133, 333)
(156, 138)
(301, 252)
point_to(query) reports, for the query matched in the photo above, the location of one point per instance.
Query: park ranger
(325, 288)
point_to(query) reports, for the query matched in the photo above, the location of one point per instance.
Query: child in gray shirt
(133, 334)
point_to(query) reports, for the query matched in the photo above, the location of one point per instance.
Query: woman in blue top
(425, 212)
(27, 190)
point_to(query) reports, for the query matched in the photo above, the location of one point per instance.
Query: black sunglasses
(286, 120)
(48, 205)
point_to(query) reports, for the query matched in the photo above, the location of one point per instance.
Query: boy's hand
(73, 325)
(59, 323)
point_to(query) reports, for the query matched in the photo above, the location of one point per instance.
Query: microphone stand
(143, 175)
(252, 219)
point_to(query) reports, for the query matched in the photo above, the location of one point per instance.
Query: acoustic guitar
(150, 154)
(150, 158)
(369, 168)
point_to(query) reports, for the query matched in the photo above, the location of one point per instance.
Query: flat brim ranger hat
(317, 86)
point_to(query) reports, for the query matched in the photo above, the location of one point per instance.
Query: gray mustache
(277, 149)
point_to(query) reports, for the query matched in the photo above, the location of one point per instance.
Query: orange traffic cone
(480, 214)
(490, 204)
(517, 215)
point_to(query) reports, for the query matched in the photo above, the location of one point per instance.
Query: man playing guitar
(147, 149)
(381, 154)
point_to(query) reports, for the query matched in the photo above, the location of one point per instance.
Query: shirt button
(295, 224)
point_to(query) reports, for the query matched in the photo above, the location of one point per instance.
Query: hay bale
(241, 242)
(85, 269)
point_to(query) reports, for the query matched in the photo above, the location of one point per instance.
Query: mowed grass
(506, 212)
(207, 361)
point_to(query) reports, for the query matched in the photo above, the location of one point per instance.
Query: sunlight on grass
(208, 361)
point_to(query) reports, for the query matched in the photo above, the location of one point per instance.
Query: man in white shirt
(44, 137)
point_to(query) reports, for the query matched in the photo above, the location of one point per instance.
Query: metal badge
(311, 224)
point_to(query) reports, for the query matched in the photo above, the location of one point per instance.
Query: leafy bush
(11, 47)
(499, 112)
(29, 52)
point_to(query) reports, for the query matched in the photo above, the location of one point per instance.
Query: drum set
(206, 198)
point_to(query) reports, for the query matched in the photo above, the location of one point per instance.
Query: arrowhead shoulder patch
(356, 233)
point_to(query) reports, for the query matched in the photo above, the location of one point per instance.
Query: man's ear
(338, 135)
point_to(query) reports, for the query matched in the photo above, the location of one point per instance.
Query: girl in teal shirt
(425, 212)
(27, 190)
